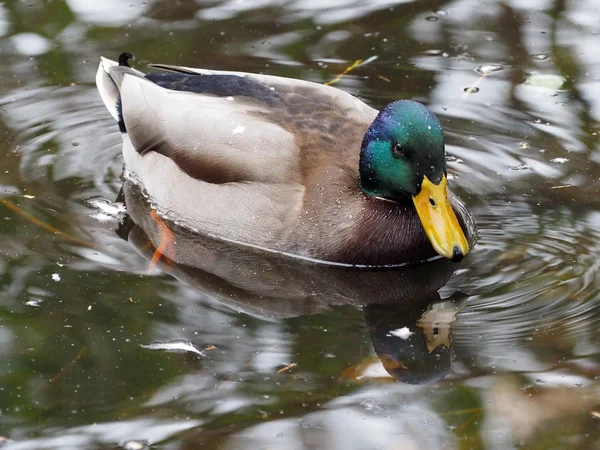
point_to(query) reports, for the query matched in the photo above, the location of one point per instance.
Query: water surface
(280, 354)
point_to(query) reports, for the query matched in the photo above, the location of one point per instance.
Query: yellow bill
(439, 221)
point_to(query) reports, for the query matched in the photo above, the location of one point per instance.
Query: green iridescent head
(404, 143)
(403, 157)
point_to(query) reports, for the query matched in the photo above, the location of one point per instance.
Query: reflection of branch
(568, 67)
(460, 411)
(60, 374)
(10, 205)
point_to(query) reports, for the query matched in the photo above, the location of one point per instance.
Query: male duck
(288, 165)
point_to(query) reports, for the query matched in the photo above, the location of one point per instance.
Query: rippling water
(227, 348)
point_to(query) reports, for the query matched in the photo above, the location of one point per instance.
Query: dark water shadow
(408, 323)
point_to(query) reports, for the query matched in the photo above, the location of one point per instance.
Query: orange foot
(165, 246)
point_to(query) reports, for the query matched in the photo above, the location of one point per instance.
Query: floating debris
(288, 367)
(402, 333)
(540, 56)
(471, 90)
(178, 346)
(55, 277)
(545, 80)
(560, 160)
(357, 63)
(486, 69)
(522, 166)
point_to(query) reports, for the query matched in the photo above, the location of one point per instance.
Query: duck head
(403, 157)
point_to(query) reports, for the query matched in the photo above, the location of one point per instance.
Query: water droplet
(471, 89)
(433, 52)
(490, 38)
(540, 56)
(441, 12)
(486, 69)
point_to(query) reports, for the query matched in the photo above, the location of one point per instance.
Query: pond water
(227, 349)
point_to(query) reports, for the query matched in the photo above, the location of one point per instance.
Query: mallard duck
(287, 165)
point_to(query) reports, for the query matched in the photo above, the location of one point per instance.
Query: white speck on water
(402, 333)
(55, 277)
(429, 127)
(229, 99)
(560, 160)
(134, 445)
(179, 346)
(239, 129)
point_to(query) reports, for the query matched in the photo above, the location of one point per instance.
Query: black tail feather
(121, 122)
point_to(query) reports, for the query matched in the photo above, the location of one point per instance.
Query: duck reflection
(408, 323)
(413, 344)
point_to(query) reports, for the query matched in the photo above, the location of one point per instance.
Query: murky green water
(506, 355)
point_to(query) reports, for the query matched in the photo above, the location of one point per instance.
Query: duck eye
(397, 150)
